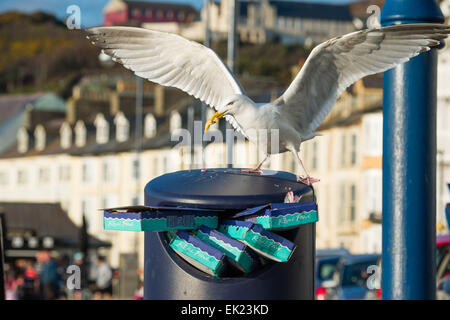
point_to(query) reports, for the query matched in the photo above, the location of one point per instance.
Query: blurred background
(79, 133)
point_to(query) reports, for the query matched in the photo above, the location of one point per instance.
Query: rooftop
(45, 219)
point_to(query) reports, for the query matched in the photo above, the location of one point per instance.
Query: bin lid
(226, 189)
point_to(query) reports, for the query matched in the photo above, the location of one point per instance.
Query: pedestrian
(83, 293)
(27, 284)
(139, 293)
(11, 285)
(104, 280)
(49, 277)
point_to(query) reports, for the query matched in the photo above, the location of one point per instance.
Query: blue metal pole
(409, 163)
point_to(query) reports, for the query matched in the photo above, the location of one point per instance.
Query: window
(136, 169)
(102, 127)
(148, 13)
(293, 164)
(372, 192)
(39, 135)
(44, 175)
(4, 178)
(175, 121)
(122, 127)
(150, 126)
(289, 23)
(135, 200)
(170, 15)
(88, 171)
(106, 173)
(85, 173)
(109, 170)
(191, 17)
(155, 166)
(65, 133)
(181, 15)
(353, 154)
(64, 173)
(373, 134)
(165, 164)
(342, 203)
(160, 14)
(22, 177)
(109, 201)
(136, 12)
(353, 203)
(343, 150)
(314, 155)
(80, 134)
(22, 140)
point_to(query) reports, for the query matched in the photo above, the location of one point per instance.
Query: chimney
(114, 103)
(71, 116)
(160, 93)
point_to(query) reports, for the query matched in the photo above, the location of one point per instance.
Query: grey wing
(169, 60)
(337, 63)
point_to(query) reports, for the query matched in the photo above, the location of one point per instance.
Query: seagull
(171, 60)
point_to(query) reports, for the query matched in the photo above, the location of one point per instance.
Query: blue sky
(91, 10)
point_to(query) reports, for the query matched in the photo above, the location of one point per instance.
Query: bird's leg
(308, 180)
(258, 168)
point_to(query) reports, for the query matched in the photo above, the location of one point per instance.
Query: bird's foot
(308, 180)
(256, 170)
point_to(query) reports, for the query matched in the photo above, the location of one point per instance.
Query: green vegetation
(40, 54)
(273, 60)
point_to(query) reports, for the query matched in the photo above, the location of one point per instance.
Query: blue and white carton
(157, 218)
(198, 253)
(266, 243)
(281, 216)
(239, 254)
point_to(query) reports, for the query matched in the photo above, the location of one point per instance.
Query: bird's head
(230, 106)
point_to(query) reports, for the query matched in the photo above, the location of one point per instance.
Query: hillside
(40, 54)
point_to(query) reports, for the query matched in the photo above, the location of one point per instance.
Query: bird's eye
(230, 103)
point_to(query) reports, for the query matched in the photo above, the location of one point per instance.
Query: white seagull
(332, 66)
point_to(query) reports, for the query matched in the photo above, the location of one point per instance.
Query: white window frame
(122, 127)
(150, 126)
(65, 133)
(80, 134)
(40, 137)
(102, 129)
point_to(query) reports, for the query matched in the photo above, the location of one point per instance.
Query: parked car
(442, 272)
(351, 277)
(326, 262)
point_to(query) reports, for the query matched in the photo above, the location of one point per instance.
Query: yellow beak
(214, 119)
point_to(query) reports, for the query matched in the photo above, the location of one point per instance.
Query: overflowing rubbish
(155, 218)
(221, 243)
(239, 253)
(281, 216)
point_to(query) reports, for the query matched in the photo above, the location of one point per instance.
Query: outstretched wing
(337, 63)
(169, 60)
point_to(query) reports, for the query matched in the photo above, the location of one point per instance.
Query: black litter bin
(168, 276)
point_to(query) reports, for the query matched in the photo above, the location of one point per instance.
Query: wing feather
(337, 63)
(169, 60)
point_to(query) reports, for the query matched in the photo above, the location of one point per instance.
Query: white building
(261, 21)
